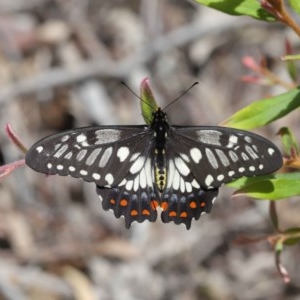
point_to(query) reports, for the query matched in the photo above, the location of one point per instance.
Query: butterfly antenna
(186, 91)
(135, 94)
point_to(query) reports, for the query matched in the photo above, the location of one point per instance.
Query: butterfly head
(159, 119)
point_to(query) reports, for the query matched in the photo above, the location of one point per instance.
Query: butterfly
(138, 169)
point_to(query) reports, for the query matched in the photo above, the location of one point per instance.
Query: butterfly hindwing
(181, 207)
(137, 205)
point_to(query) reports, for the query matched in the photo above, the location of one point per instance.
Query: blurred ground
(61, 64)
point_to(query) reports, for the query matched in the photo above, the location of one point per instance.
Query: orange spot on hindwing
(134, 213)
(154, 204)
(164, 205)
(193, 204)
(146, 212)
(183, 214)
(112, 201)
(172, 213)
(123, 202)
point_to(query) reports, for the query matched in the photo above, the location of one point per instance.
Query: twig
(63, 76)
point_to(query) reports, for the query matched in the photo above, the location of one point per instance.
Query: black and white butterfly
(139, 168)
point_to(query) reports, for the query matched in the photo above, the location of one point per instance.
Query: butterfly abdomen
(160, 171)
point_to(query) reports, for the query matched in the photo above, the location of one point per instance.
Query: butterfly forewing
(103, 155)
(217, 155)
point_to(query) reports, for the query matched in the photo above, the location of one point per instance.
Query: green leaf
(295, 4)
(289, 141)
(265, 111)
(292, 70)
(271, 187)
(148, 103)
(250, 8)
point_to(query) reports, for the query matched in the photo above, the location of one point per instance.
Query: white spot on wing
(123, 153)
(129, 185)
(188, 187)
(109, 178)
(209, 137)
(252, 168)
(251, 152)
(134, 156)
(123, 182)
(80, 138)
(65, 138)
(271, 151)
(232, 141)
(184, 157)
(220, 177)
(137, 165)
(196, 155)
(195, 184)
(136, 183)
(105, 136)
(49, 166)
(181, 166)
(245, 156)
(211, 158)
(231, 173)
(81, 154)
(68, 155)
(209, 180)
(241, 170)
(248, 139)
(176, 180)
(233, 156)
(222, 156)
(57, 146)
(93, 156)
(96, 176)
(61, 151)
(182, 185)
(71, 169)
(105, 157)
(59, 167)
(83, 172)
(39, 149)
(143, 180)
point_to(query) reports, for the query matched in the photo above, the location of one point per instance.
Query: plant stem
(288, 20)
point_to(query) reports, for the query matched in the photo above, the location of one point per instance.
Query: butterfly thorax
(160, 129)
